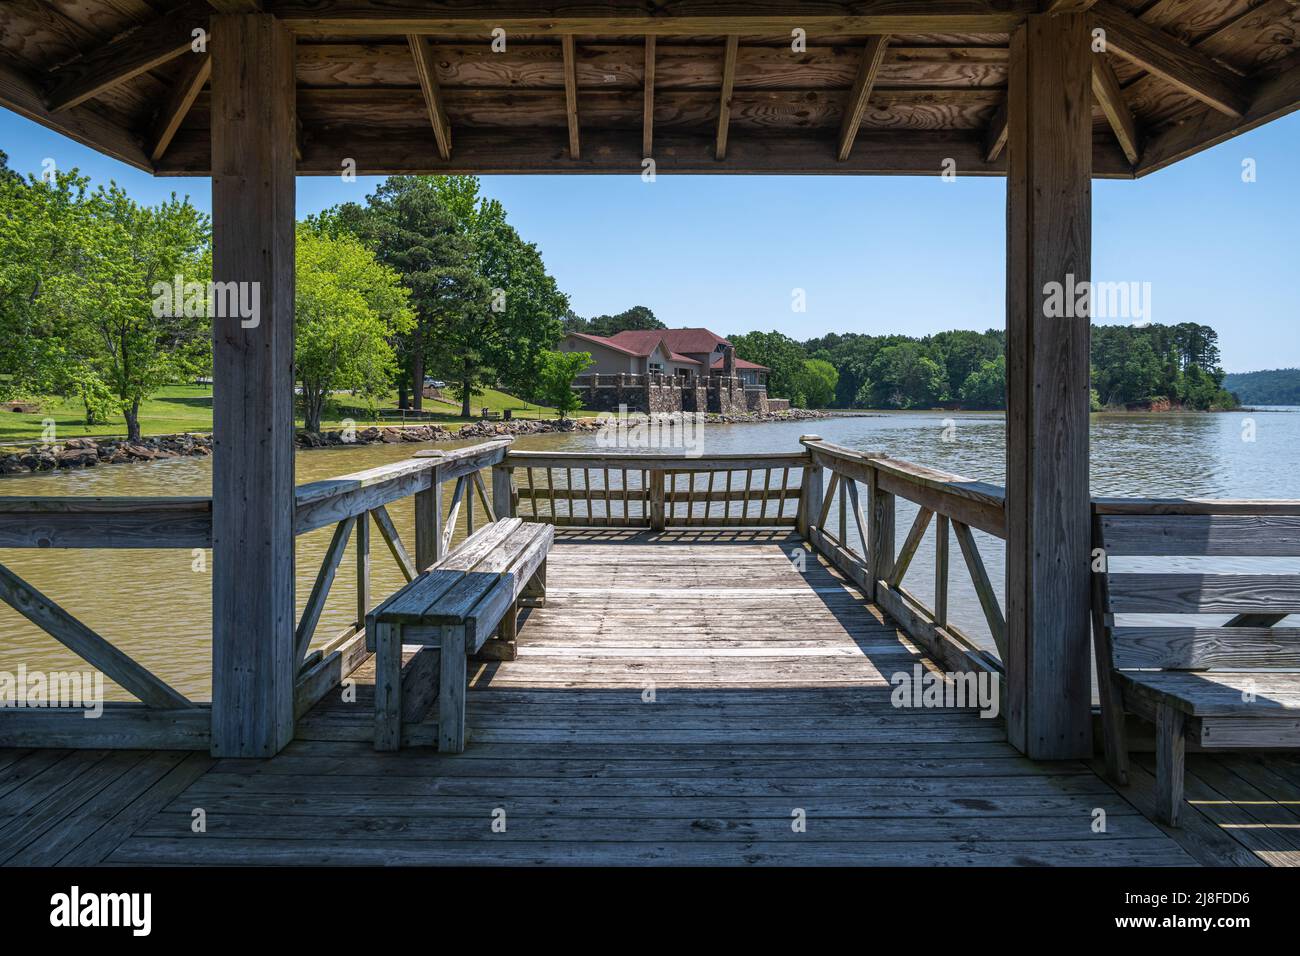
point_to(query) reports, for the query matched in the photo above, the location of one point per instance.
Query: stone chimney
(729, 361)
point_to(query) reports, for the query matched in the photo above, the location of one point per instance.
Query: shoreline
(79, 453)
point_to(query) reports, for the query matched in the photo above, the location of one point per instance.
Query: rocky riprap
(89, 452)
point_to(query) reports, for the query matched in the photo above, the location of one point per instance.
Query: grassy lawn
(188, 408)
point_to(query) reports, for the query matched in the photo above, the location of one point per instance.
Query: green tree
(557, 371)
(986, 387)
(409, 227)
(42, 225)
(347, 309)
(782, 355)
(136, 298)
(904, 376)
(639, 317)
(816, 380)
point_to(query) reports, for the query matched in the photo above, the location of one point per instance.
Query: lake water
(156, 605)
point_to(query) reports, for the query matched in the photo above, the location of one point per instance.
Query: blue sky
(873, 254)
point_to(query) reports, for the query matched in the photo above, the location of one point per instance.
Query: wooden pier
(686, 697)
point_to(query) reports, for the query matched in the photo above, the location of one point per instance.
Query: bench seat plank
(1159, 593)
(1217, 694)
(1199, 648)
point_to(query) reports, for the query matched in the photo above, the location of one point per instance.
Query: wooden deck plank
(771, 694)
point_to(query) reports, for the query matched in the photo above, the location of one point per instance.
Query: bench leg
(503, 646)
(534, 594)
(388, 687)
(452, 676)
(1171, 747)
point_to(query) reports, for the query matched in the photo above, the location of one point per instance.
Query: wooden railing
(350, 502)
(163, 717)
(655, 491)
(955, 505)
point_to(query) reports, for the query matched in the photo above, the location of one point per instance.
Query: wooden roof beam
(728, 85)
(1158, 53)
(139, 51)
(636, 17)
(1105, 87)
(995, 137)
(184, 93)
(648, 114)
(236, 6)
(427, 72)
(682, 18)
(873, 55)
(20, 93)
(1054, 7)
(571, 92)
(1277, 93)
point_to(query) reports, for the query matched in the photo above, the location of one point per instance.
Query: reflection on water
(155, 605)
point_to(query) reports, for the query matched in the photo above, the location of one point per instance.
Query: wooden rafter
(873, 55)
(139, 51)
(1277, 93)
(1191, 71)
(571, 92)
(235, 6)
(195, 76)
(485, 151)
(20, 93)
(682, 18)
(729, 54)
(648, 113)
(1068, 6)
(1106, 89)
(426, 70)
(995, 137)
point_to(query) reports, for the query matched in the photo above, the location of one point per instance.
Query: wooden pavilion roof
(702, 86)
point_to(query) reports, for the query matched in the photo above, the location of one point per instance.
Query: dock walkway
(689, 697)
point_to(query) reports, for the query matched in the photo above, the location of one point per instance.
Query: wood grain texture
(139, 51)
(571, 95)
(1047, 494)
(873, 55)
(254, 671)
(196, 72)
(422, 54)
(729, 52)
(1187, 69)
(1106, 89)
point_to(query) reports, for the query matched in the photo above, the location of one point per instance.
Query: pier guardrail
(162, 717)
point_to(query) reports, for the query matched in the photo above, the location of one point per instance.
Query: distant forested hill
(1278, 386)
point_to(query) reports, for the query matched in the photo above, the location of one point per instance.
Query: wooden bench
(452, 610)
(1229, 686)
(489, 415)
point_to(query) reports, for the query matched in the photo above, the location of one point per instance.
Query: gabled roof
(640, 343)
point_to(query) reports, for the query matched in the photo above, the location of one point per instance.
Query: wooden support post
(388, 686)
(428, 525)
(810, 502)
(1049, 235)
(363, 568)
(1171, 748)
(451, 690)
(253, 134)
(503, 492)
(658, 518)
(880, 550)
